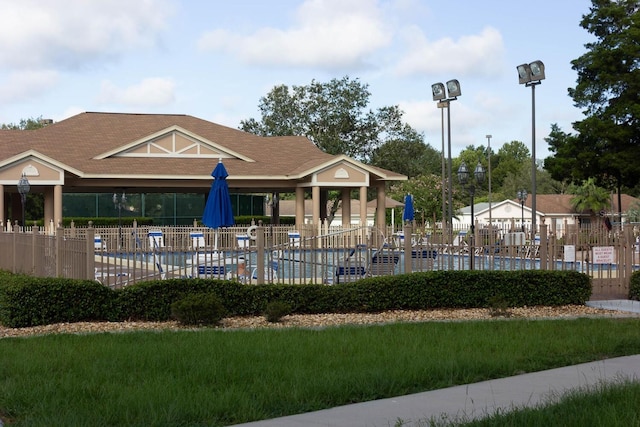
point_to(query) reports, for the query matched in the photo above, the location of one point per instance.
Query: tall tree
(332, 115)
(589, 197)
(25, 124)
(427, 196)
(607, 89)
(409, 157)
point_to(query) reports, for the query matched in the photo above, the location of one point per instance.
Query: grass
(606, 405)
(212, 378)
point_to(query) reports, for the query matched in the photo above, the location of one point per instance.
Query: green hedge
(634, 286)
(28, 301)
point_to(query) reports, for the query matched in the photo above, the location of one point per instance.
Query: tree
(427, 196)
(25, 124)
(607, 89)
(589, 197)
(410, 157)
(332, 115)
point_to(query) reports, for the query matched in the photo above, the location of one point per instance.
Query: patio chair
(294, 239)
(349, 273)
(422, 259)
(211, 272)
(156, 239)
(383, 264)
(197, 240)
(99, 244)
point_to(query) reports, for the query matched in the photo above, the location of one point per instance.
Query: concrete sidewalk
(473, 400)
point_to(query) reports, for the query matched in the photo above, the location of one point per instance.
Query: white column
(299, 206)
(346, 207)
(57, 204)
(363, 206)
(381, 209)
(315, 201)
(1, 207)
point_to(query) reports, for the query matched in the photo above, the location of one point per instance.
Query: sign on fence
(569, 253)
(603, 254)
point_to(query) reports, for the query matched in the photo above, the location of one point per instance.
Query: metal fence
(256, 254)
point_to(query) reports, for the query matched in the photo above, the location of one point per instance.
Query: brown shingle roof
(78, 140)
(550, 204)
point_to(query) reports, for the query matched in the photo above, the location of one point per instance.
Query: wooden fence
(121, 256)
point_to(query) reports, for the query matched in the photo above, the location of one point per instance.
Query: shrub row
(634, 286)
(28, 301)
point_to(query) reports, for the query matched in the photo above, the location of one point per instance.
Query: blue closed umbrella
(218, 211)
(408, 213)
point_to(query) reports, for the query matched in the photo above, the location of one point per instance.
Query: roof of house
(550, 204)
(162, 145)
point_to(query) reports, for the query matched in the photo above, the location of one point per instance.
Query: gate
(608, 257)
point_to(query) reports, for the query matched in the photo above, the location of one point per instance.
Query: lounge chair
(156, 239)
(383, 264)
(422, 259)
(99, 244)
(294, 239)
(211, 272)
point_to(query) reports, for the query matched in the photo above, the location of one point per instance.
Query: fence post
(406, 230)
(260, 246)
(34, 242)
(59, 250)
(91, 259)
(544, 240)
(14, 270)
(629, 248)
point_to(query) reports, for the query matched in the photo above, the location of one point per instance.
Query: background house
(552, 209)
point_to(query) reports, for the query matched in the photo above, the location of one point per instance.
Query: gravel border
(322, 320)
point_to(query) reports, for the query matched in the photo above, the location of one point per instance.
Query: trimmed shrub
(276, 310)
(634, 286)
(198, 309)
(32, 301)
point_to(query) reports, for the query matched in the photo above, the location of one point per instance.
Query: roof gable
(173, 142)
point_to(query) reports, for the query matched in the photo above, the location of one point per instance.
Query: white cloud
(70, 33)
(479, 54)
(150, 92)
(326, 34)
(27, 84)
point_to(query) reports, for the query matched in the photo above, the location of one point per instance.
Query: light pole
(119, 204)
(522, 197)
(23, 189)
(532, 75)
(463, 177)
(444, 101)
(489, 168)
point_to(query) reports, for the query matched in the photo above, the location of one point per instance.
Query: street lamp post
(23, 189)
(522, 197)
(444, 99)
(463, 177)
(532, 75)
(489, 172)
(119, 204)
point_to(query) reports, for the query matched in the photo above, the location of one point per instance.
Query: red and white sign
(603, 255)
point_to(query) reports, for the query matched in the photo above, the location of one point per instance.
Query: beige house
(554, 210)
(104, 152)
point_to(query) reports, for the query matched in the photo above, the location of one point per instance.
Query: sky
(215, 59)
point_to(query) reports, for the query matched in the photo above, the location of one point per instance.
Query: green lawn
(212, 377)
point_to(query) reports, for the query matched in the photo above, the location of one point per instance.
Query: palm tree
(589, 197)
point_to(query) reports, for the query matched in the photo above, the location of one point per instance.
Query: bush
(634, 286)
(198, 309)
(32, 301)
(276, 310)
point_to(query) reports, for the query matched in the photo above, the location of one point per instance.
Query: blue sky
(215, 59)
